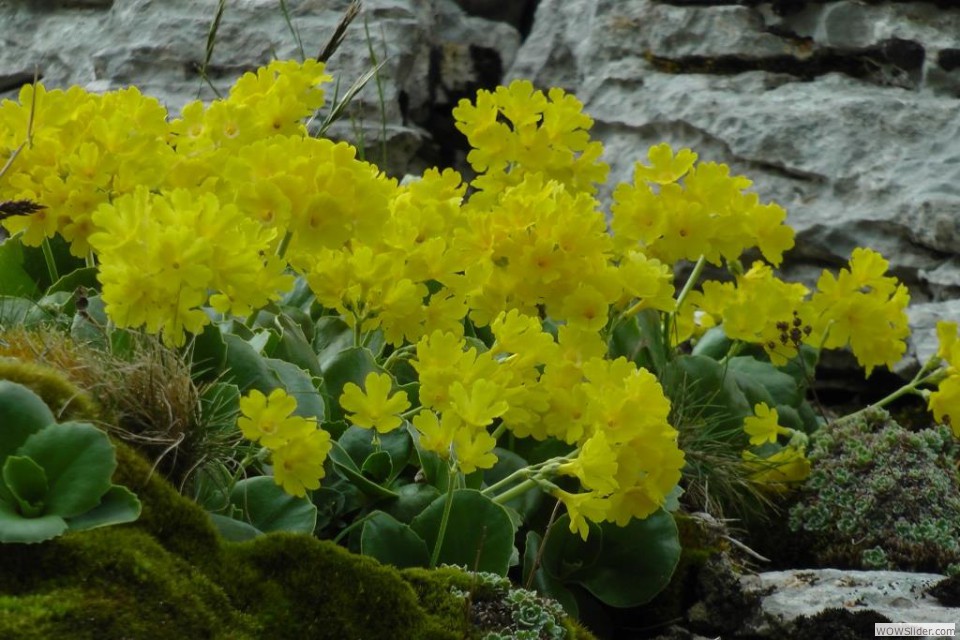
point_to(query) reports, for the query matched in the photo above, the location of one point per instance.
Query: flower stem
(516, 491)
(51, 263)
(451, 483)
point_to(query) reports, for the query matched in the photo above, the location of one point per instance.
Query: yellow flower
(582, 507)
(763, 425)
(374, 407)
(665, 166)
(268, 420)
(778, 472)
(945, 402)
(436, 434)
(948, 343)
(474, 449)
(298, 465)
(480, 404)
(595, 465)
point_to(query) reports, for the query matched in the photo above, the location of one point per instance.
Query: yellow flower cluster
(708, 215)
(861, 308)
(518, 131)
(864, 308)
(163, 254)
(297, 447)
(945, 401)
(627, 459)
(77, 151)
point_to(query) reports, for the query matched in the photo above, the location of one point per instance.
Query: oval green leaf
(392, 542)
(479, 534)
(78, 459)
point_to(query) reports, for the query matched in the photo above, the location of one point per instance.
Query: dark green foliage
(880, 496)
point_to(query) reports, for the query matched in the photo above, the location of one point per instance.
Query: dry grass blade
(211, 42)
(340, 32)
(340, 107)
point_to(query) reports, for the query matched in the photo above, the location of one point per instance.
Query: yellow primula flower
(763, 425)
(267, 420)
(665, 166)
(779, 472)
(582, 507)
(298, 464)
(944, 403)
(473, 449)
(374, 407)
(595, 465)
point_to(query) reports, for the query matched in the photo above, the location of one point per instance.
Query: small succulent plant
(882, 497)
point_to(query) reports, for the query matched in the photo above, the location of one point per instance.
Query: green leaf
(268, 508)
(702, 392)
(299, 385)
(349, 365)
(245, 367)
(78, 459)
(15, 528)
(348, 470)
(358, 442)
(22, 413)
(294, 347)
(22, 312)
(377, 467)
(636, 343)
(35, 264)
(714, 344)
(392, 542)
(234, 530)
(411, 500)
(566, 554)
(117, 506)
(85, 277)
(780, 386)
(209, 355)
(636, 561)
(479, 534)
(542, 582)
(27, 484)
(331, 336)
(14, 281)
(329, 503)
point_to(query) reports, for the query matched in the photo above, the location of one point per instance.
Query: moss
(177, 523)
(65, 399)
(110, 583)
(169, 575)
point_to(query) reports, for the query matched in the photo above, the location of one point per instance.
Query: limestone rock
(787, 595)
(426, 46)
(842, 112)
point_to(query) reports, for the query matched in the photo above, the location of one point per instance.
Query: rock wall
(845, 112)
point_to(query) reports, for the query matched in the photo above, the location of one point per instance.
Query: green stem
(499, 430)
(692, 280)
(398, 354)
(451, 483)
(669, 318)
(284, 243)
(516, 491)
(911, 387)
(353, 525)
(51, 263)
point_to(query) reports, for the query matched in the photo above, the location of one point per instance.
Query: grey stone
(842, 112)
(787, 595)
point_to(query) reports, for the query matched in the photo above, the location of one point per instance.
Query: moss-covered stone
(65, 399)
(169, 575)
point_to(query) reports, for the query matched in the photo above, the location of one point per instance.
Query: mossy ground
(169, 575)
